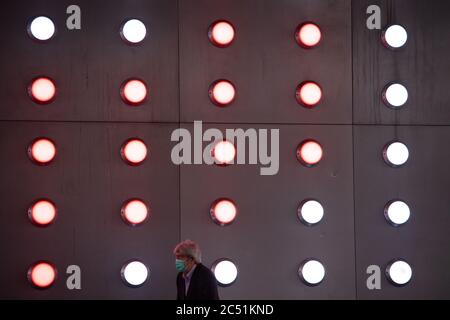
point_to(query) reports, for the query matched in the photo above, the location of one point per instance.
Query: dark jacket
(203, 285)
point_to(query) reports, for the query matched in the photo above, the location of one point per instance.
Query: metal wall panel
(422, 65)
(267, 241)
(88, 181)
(89, 65)
(265, 63)
(423, 183)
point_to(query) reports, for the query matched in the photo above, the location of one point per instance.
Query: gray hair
(190, 249)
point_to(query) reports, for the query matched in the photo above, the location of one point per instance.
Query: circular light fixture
(308, 35)
(133, 92)
(42, 212)
(222, 93)
(310, 212)
(395, 95)
(134, 273)
(396, 212)
(134, 212)
(42, 151)
(223, 211)
(221, 33)
(42, 90)
(308, 94)
(225, 272)
(394, 36)
(134, 151)
(309, 153)
(395, 154)
(42, 274)
(41, 28)
(224, 152)
(312, 272)
(133, 31)
(399, 272)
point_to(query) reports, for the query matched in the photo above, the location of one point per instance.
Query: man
(194, 280)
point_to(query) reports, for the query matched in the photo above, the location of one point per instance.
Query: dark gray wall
(423, 183)
(265, 62)
(422, 65)
(88, 121)
(267, 241)
(88, 181)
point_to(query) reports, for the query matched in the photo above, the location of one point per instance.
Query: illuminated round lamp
(42, 213)
(134, 92)
(223, 153)
(225, 272)
(311, 272)
(134, 151)
(308, 94)
(308, 35)
(134, 212)
(309, 153)
(394, 36)
(395, 154)
(133, 31)
(395, 95)
(134, 273)
(397, 212)
(42, 90)
(41, 29)
(399, 272)
(310, 212)
(223, 211)
(222, 93)
(42, 151)
(42, 274)
(221, 33)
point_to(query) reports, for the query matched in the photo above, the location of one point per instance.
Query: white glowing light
(135, 273)
(396, 95)
(399, 272)
(134, 31)
(312, 272)
(395, 36)
(42, 28)
(226, 272)
(311, 212)
(396, 154)
(397, 212)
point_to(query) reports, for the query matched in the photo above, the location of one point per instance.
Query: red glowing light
(308, 94)
(221, 34)
(42, 275)
(42, 90)
(134, 92)
(308, 35)
(309, 153)
(42, 151)
(222, 93)
(42, 213)
(134, 151)
(134, 212)
(223, 211)
(224, 152)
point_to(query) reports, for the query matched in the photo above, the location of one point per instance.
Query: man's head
(187, 254)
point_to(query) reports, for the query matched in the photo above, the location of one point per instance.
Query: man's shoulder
(202, 269)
